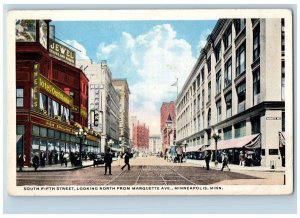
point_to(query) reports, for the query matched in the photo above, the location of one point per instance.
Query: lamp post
(81, 135)
(110, 143)
(185, 150)
(216, 137)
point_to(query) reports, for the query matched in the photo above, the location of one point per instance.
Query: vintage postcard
(150, 102)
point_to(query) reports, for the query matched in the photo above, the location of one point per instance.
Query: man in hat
(108, 161)
(126, 161)
(225, 161)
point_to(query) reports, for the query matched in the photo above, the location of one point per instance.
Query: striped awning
(197, 148)
(251, 141)
(281, 139)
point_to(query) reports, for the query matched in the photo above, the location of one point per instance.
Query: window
(255, 125)
(198, 80)
(43, 102)
(228, 100)
(282, 80)
(273, 151)
(55, 107)
(203, 98)
(198, 105)
(241, 92)
(20, 97)
(239, 25)
(283, 121)
(227, 38)
(209, 64)
(194, 87)
(35, 130)
(240, 60)
(208, 118)
(218, 82)
(219, 111)
(195, 106)
(228, 72)
(256, 87)
(202, 124)
(198, 118)
(20, 129)
(282, 36)
(72, 94)
(202, 75)
(209, 91)
(240, 129)
(256, 42)
(227, 133)
(218, 52)
(195, 125)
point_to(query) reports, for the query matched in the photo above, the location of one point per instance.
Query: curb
(54, 170)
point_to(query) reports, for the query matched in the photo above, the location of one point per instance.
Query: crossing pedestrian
(225, 161)
(108, 161)
(126, 161)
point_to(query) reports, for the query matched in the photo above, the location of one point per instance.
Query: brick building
(140, 135)
(167, 112)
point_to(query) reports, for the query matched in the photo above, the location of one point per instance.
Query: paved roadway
(149, 171)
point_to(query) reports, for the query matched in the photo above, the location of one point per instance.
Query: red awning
(251, 141)
(196, 148)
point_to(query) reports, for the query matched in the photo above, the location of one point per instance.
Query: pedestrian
(126, 161)
(42, 158)
(65, 158)
(242, 158)
(108, 161)
(225, 161)
(61, 158)
(207, 159)
(20, 162)
(35, 162)
(50, 158)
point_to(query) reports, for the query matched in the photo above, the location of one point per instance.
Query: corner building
(51, 96)
(237, 88)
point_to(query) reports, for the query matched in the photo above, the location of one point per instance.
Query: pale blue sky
(150, 54)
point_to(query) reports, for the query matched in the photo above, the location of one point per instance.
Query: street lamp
(81, 135)
(110, 143)
(216, 137)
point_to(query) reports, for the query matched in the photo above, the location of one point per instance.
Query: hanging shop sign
(62, 52)
(55, 91)
(36, 75)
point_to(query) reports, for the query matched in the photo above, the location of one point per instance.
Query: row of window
(240, 60)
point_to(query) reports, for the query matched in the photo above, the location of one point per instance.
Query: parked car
(99, 159)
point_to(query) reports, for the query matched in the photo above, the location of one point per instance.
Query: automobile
(99, 159)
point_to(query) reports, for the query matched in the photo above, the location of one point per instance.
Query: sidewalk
(235, 168)
(57, 167)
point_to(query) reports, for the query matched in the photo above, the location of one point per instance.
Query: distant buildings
(140, 136)
(155, 144)
(168, 124)
(104, 101)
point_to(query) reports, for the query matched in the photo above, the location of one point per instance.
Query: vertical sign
(36, 75)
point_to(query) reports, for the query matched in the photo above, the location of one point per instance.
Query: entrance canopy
(251, 141)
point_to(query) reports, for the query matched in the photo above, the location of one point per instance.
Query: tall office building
(236, 89)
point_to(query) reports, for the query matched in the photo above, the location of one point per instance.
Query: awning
(251, 141)
(281, 139)
(197, 148)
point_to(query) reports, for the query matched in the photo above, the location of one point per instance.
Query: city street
(150, 171)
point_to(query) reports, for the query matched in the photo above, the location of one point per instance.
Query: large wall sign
(36, 75)
(62, 52)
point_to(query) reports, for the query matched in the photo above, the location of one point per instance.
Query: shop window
(241, 60)
(228, 72)
(35, 147)
(43, 145)
(50, 133)
(62, 146)
(241, 93)
(35, 130)
(20, 97)
(273, 151)
(43, 132)
(263, 152)
(256, 43)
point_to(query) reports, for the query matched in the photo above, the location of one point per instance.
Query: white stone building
(155, 144)
(104, 101)
(237, 89)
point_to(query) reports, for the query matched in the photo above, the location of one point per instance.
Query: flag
(175, 84)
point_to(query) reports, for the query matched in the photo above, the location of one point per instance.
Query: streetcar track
(182, 176)
(140, 172)
(114, 178)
